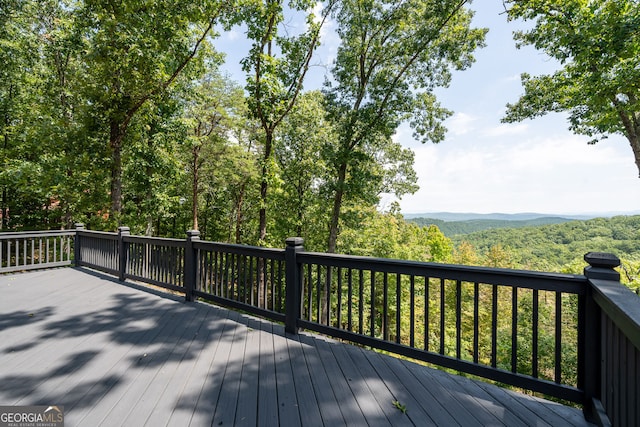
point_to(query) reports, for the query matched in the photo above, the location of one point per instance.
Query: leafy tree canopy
(598, 44)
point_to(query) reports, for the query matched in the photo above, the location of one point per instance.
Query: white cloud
(504, 129)
(461, 124)
(233, 35)
(543, 174)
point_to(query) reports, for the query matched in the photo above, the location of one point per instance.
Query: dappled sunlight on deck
(115, 353)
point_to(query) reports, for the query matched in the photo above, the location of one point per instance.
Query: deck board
(117, 353)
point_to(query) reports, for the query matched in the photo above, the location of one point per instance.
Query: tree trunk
(239, 206)
(4, 223)
(264, 186)
(631, 122)
(195, 185)
(4, 209)
(634, 140)
(115, 143)
(337, 206)
(635, 146)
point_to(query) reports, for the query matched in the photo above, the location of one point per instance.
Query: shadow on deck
(119, 354)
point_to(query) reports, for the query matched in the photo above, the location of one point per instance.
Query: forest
(555, 247)
(117, 113)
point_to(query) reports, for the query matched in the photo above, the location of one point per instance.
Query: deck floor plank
(183, 396)
(225, 409)
(323, 391)
(116, 353)
(479, 405)
(155, 368)
(42, 310)
(247, 409)
(128, 365)
(161, 393)
(308, 403)
(379, 388)
(415, 411)
(347, 405)
(288, 408)
(267, 389)
(206, 401)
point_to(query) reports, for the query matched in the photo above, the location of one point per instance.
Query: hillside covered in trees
(118, 113)
(454, 228)
(556, 247)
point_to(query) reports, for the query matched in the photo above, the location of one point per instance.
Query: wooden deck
(116, 354)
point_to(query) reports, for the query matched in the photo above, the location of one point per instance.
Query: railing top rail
(240, 249)
(178, 243)
(621, 305)
(101, 234)
(569, 283)
(19, 234)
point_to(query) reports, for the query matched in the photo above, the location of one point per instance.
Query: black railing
(480, 321)
(248, 278)
(31, 250)
(575, 337)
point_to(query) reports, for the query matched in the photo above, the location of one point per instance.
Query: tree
(135, 50)
(12, 82)
(392, 56)
(276, 68)
(215, 102)
(302, 171)
(598, 45)
(47, 173)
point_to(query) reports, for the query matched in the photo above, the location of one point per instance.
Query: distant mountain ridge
(457, 224)
(456, 228)
(524, 216)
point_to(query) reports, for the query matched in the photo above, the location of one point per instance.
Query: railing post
(190, 265)
(601, 267)
(123, 252)
(293, 279)
(77, 261)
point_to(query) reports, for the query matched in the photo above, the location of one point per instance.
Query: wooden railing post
(601, 267)
(190, 265)
(77, 260)
(293, 280)
(123, 252)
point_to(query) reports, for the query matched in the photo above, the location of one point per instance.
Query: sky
(485, 166)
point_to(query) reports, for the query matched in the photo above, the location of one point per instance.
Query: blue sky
(485, 166)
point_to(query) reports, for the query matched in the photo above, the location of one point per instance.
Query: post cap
(193, 233)
(294, 241)
(602, 260)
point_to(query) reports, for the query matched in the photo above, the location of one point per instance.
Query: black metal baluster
(398, 309)
(458, 319)
(494, 326)
(385, 305)
(558, 349)
(514, 329)
(476, 321)
(534, 332)
(442, 319)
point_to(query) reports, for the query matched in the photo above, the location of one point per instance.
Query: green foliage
(453, 228)
(391, 58)
(598, 45)
(556, 247)
(276, 67)
(387, 235)
(400, 407)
